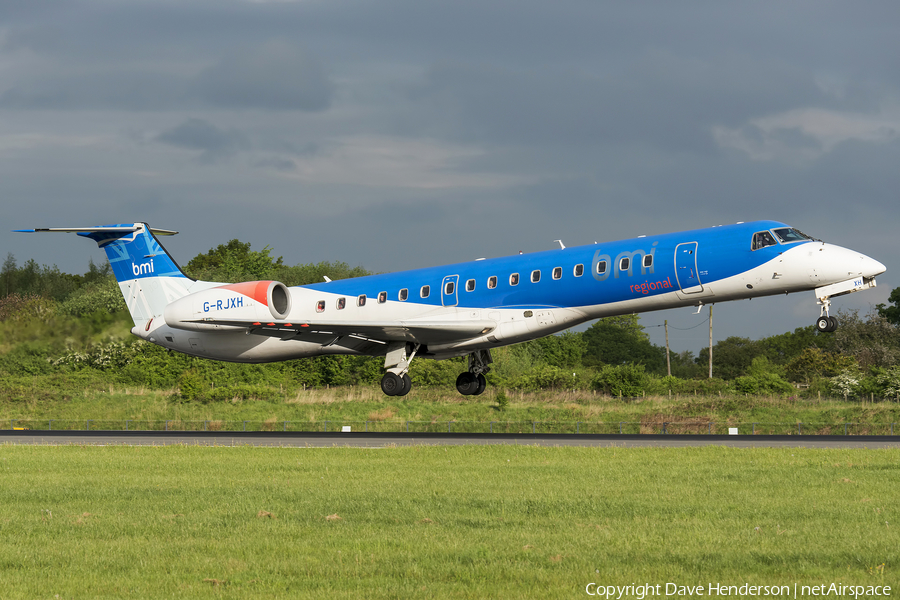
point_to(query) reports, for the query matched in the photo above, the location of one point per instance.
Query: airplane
(469, 308)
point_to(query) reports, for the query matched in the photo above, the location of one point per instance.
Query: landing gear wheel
(391, 384)
(826, 324)
(467, 383)
(407, 385)
(482, 384)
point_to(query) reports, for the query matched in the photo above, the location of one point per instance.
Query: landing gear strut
(396, 382)
(473, 382)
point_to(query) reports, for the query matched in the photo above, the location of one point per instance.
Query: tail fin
(147, 275)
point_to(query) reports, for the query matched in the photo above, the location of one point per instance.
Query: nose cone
(832, 264)
(871, 267)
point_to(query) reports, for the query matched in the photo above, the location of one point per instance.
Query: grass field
(434, 522)
(356, 405)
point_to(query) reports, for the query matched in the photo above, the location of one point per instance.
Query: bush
(622, 380)
(191, 386)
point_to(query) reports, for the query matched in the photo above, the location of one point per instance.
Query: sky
(400, 134)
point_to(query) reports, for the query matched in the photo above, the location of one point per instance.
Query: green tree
(234, 262)
(732, 356)
(621, 340)
(873, 341)
(891, 313)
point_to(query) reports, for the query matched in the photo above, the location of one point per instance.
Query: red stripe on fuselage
(258, 290)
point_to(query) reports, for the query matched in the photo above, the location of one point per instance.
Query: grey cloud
(655, 98)
(272, 76)
(276, 76)
(213, 143)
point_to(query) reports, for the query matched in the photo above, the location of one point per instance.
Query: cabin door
(686, 268)
(448, 290)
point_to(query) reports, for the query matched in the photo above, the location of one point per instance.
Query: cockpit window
(761, 239)
(787, 235)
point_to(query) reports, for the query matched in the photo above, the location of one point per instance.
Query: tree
(234, 262)
(621, 340)
(891, 313)
(873, 341)
(731, 356)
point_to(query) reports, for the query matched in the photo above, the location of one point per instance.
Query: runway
(388, 440)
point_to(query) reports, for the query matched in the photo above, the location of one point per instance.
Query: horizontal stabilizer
(125, 229)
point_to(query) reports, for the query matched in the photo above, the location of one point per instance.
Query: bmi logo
(143, 268)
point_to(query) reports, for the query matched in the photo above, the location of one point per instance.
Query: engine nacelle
(250, 301)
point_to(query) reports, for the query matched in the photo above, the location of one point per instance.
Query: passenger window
(762, 239)
(579, 270)
(557, 272)
(361, 301)
(425, 291)
(624, 264)
(514, 279)
(341, 303)
(601, 267)
(492, 282)
(470, 285)
(535, 276)
(449, 287)
(382, 297)
(648, 261)
(404, 294)
(320, 306)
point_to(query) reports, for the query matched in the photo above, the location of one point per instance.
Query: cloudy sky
(400, 133)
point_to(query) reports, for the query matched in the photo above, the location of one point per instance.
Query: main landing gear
(473, 382)
(396, 382)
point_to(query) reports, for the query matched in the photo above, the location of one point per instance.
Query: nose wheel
(826, 324)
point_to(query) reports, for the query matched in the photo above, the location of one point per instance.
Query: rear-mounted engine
(249, 301)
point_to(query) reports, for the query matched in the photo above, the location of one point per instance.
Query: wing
(419, 332)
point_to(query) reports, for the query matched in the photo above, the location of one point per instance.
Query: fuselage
(525, 296)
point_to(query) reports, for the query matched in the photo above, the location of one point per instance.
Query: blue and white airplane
(467, 309)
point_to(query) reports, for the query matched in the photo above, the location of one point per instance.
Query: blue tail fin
(134, 252)
(147, 275)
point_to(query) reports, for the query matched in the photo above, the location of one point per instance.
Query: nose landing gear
(825, 323)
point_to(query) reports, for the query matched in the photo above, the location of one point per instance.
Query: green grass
(77, 401)
(459, 522)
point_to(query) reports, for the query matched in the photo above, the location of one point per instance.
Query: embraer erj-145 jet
(468, 308)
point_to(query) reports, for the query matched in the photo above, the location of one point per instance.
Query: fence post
(709, 432)
(50, 426)
(845, 428)
(577, 426)
(12, 423)
(492, 427)
(620, 427)
(448, 426)
(407, 427)
(367, 427)
(326, 424)
(89, 424)
(532, 427)
(665, 424)
(754, 429)
(799, 428)
(167, 425)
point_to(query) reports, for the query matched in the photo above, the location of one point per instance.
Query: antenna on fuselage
(561, 245)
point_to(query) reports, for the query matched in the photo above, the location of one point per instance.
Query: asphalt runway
(388, 440)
